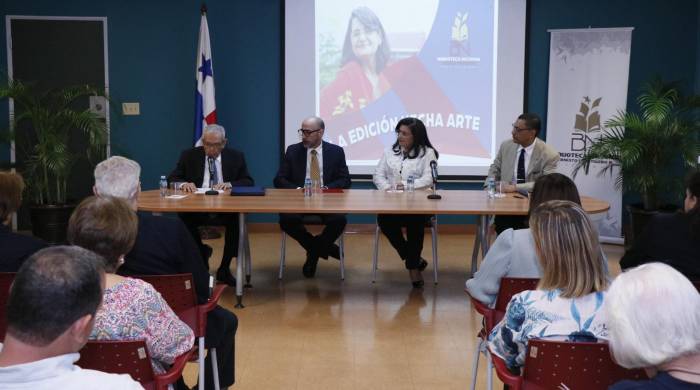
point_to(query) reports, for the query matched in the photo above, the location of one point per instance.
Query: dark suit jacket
(164, 247)
(15, 248)
(292, 171)
(667, 239)
(190, 167)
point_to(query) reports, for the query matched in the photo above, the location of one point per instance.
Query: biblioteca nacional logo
(586, 124)
(459, 43)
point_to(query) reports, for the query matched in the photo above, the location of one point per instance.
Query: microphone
(433, 170)
(434, 173)
(212, 177)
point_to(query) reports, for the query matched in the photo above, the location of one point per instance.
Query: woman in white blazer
(409, 156)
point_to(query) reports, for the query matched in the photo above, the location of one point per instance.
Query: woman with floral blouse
(569, 298)
(131, 308)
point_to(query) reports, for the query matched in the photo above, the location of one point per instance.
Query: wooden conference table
(453, 202)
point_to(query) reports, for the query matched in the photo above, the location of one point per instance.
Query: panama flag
(205, 102)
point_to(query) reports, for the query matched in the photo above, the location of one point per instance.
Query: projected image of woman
(365, 55)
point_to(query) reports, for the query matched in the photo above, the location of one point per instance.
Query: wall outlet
(98, 106)
(131, 109)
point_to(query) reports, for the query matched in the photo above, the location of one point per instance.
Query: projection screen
(458, 65)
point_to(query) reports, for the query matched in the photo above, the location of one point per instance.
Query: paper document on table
(203, 190)
(176, 196)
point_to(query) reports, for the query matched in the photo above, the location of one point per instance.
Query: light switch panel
(131, 109)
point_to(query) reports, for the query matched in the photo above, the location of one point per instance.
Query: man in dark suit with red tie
(212, 165)
(325, 164)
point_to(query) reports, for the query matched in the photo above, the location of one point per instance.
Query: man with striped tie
(213, 165)
(323, 163)
(519, 162)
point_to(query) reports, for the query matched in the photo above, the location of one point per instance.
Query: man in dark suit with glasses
(323, 163)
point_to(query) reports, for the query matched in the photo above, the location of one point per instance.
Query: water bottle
(491, 187)
(308, 189)
(410, 184)
(163, 187)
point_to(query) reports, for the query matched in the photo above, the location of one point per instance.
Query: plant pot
(639, 218)
(50, 222)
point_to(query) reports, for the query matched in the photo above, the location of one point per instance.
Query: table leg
(485, 242)
(240, 260)
(481, 240)
(477, 242)
(248, 266)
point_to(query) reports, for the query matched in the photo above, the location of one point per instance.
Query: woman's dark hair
(692, 184)
(105, 225)
(554, 186)
(420, 138)
(368, 19)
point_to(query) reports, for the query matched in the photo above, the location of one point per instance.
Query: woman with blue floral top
(569, 298)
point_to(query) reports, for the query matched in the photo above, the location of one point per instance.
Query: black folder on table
(247, 191)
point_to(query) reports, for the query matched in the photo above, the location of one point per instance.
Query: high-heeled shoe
(416, 278)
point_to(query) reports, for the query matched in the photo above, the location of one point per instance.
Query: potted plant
(643, 148)
(45, 126)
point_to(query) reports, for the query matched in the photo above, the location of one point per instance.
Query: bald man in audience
(50, 314)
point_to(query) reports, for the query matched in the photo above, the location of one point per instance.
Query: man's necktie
(314, 170)
(213, 176)
(521, 167)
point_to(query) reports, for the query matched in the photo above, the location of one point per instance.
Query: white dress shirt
(528, 155)
(59, 372)
(217, 163)
(319, 156)
(392, 167)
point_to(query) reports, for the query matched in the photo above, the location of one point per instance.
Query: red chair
(130, 357)
(178, 290)
(553, 364)
(492, 316)
(6, 279)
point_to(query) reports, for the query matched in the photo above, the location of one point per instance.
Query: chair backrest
(119, 357)
(549, 364)
(510, 287)
(178, 290)
(6, 279)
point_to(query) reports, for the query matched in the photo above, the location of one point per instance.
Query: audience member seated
(50, 314)
(513, 253)
(14, 248)
(653, 313)
(164, 246)
(569, 296)
(131, 308)
(673, 239)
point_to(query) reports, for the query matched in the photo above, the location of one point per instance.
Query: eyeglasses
(212, 145)
(307, 132)
(519, 129)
